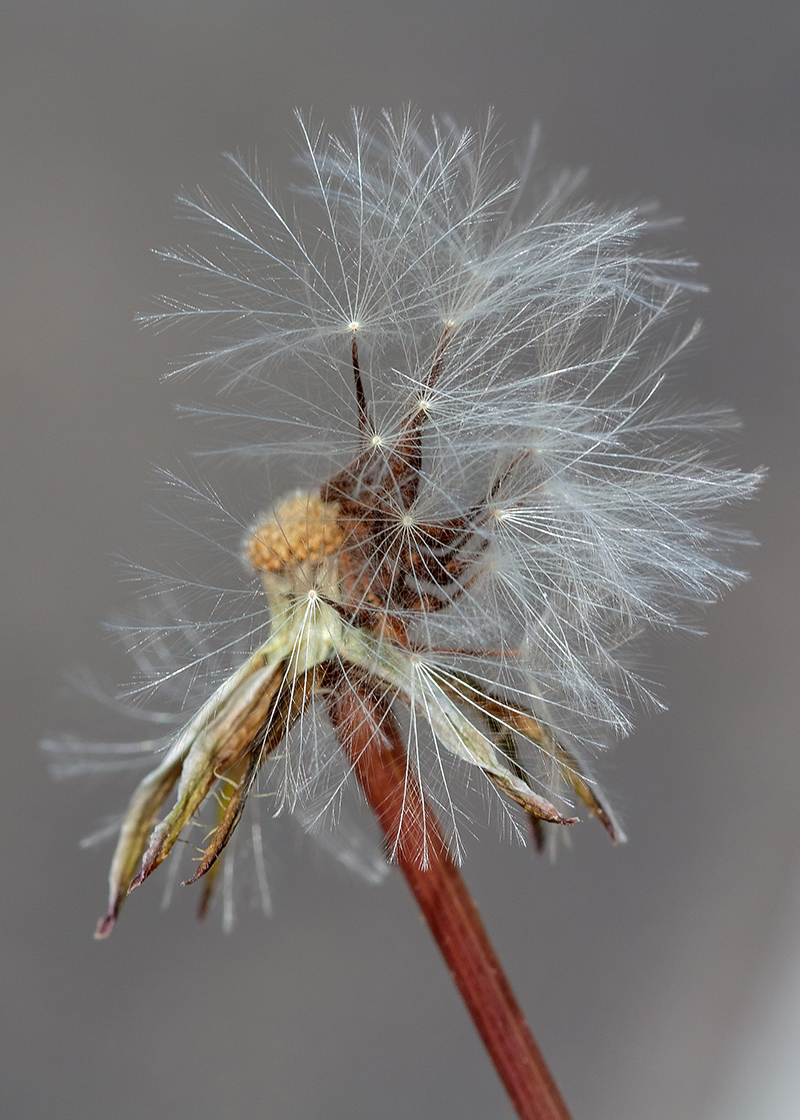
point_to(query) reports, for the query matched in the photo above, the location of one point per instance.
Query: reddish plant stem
(372, 740)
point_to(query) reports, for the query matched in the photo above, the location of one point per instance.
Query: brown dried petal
(531, 802)
(148, 797)
(217, 747)
(503, 717)
(289, 708)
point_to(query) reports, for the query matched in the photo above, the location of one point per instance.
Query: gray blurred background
(661, 979)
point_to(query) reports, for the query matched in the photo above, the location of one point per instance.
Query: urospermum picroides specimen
(470, 367)
(466, 370)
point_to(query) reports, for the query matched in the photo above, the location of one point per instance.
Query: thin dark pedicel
(365, 422)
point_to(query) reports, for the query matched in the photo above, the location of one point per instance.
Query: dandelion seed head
(504, 497)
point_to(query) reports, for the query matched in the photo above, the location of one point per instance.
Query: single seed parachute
(463, 370)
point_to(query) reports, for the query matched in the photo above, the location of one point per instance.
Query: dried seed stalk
(375, 747)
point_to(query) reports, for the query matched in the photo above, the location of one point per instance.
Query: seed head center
(301, 528)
